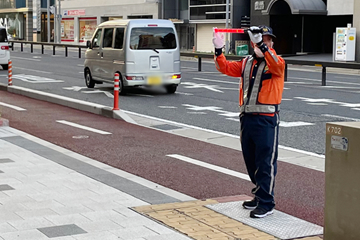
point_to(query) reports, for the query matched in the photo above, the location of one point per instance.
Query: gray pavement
(40, 198)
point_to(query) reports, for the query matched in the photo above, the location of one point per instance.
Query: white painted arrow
(74, 88)
(99, 91)
(199, 85)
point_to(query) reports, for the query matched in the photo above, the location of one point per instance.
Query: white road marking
(181, 93)
(35, 79)
(340, 117)
(319, 80)
(219, 81)
(167, 107)
(12, 106)
(295, 124)
(196, 85)
(33, 70)
(282, 123)
(318, 104)
(200, 113)
(210, 166)
(326, 100)
(28, 59)
(356, 109)
(36, 56)
(221, 133)
(140, 95)
(233, 119)
(286, 99)
(99, 91)
(80, 65)
(74, 88)
(83, 127)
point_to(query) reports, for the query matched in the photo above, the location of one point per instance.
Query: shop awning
(305, 7)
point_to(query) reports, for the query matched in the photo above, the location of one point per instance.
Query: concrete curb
(69, 102)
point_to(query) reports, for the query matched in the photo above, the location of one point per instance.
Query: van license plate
(154, 80)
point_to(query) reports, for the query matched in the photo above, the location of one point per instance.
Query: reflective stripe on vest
(252, 106)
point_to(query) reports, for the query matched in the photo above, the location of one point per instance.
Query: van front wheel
(5, 66)
(90, 83)
(171, 88)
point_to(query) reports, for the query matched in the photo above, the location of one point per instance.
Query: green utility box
(342, 181)
(242, 50)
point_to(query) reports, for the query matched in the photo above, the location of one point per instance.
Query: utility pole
(356, 24)
(227, 26)
(48, 20)
(60, 17)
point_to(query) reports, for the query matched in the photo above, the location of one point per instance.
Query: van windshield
(152, 38)
(3, 35)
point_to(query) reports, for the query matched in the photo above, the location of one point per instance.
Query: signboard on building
(259, 5)
(78, 12)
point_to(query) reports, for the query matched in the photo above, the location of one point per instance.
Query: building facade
(20, 17)
(197, 18)
(302, 26)
(81, 17)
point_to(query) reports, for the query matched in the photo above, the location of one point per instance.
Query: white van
(4, 49)
(145, 52)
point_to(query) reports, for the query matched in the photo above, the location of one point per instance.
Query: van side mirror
(88, 44)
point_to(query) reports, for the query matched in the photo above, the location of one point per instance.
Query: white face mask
(258, 52)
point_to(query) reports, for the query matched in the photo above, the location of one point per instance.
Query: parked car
(145, 52)
(4, 49)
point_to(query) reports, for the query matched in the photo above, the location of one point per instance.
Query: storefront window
(67, 29)
(87, 28)
(14, 24)
(7, 4)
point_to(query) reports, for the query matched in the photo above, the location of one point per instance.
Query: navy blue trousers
(259, 142)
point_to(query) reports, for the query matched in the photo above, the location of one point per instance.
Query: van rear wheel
(171, 88)
(90, 83)
(5, 66)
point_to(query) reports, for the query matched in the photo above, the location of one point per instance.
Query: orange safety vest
(268, 81)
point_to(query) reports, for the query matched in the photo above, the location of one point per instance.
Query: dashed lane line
(210, 166)
(12, 106)
(83, 127)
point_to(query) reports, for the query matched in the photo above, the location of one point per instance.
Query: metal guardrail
(199, 56)
(288, 60)
(54, 45)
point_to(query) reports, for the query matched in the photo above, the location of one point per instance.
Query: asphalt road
(205, 99)
(145, 152)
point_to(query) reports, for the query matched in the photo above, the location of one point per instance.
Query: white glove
(255, 37)
(218, 40)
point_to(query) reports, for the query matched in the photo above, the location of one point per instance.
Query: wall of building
(343, 7)
(112, 8)
(204, 36)
(79, 28)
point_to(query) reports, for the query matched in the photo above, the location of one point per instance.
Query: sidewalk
(50, 192)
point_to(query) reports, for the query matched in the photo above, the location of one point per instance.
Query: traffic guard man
(261, 87)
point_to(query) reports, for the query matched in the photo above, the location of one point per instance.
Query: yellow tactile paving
(198, 222)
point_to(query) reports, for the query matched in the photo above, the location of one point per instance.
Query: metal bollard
(66, 51)
(54, 50)
(10, 73)
(79, 52)
(31, 48)
(116, 92)
(22, 47)
(42, 48)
